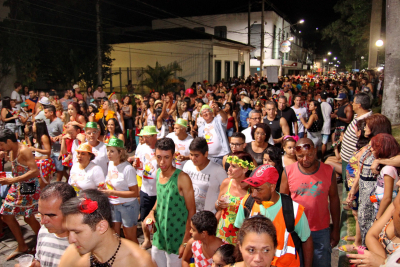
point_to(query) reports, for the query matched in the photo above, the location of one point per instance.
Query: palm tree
(161, 78)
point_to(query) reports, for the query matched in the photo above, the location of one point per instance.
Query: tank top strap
(229, 186)
(175, 175)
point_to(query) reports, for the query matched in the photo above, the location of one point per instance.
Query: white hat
(243, 93)
(75, 86)
(44, 101)
(246, 100)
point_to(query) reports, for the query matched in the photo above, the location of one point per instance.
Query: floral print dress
(15, 203)
(226, 229)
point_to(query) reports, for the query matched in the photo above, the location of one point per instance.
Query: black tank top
(9, 115)
(341, 114)
(276, 130)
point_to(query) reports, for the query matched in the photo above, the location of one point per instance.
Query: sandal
(348, 248)
(349, 238)
(16, 253)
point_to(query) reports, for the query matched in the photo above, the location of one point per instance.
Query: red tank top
(312, 192)
(231, 120)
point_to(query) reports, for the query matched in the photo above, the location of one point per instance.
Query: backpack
(287, 210)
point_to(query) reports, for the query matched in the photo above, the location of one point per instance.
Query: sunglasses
(304, 146)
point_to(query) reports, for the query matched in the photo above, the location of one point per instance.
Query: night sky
(316, 13)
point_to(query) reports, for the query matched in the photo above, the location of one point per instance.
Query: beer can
(149, 224)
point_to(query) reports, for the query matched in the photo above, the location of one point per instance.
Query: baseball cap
(75, 86)
(24, 104)
(341, 96)
(263, 174)
(324, 93)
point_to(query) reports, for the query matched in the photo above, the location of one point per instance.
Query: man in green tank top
(173, 209)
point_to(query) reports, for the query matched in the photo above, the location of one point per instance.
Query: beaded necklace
(94, 262)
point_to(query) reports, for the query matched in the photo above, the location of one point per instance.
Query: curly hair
(265, 128)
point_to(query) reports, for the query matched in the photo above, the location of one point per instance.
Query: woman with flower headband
(232, 191)
(106, 112)
(76, 115)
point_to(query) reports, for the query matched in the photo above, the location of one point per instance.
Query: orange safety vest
(285, 254)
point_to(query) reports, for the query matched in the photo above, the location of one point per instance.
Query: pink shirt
(312, 192)
(97, 94)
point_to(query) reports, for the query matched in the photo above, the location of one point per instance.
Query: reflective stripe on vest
(287, 248)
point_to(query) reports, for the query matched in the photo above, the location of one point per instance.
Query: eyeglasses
(236, 145)
(304, 146)
(91, 133)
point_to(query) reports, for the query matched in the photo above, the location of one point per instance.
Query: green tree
(161, 78)
(351, 31)
(52, 44)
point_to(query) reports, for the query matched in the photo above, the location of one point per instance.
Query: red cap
(261, 175)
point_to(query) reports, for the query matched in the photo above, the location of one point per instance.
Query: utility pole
(374, 32)
(262, 40)
(248, 24)
(391, 92)
(99, 63)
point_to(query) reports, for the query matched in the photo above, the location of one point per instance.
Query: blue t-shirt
(244, 114)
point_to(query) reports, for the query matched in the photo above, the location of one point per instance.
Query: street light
(334, 58)
(329, 53)
(324, 59)
(379, 43)
(291, 38)
(301, 21)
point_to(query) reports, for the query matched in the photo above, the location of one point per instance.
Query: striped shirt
(350, 139)
(50, 248)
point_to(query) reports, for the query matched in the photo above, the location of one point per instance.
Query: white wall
(192, 55)
(237, 30)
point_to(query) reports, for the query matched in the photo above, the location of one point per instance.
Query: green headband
(240, 162)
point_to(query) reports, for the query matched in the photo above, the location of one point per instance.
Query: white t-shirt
(88, 178)
(138, 151)
(249, 138)
(121, 177)
(100, 151)
(300, 113)
(214, 143)
(380, 181)
(206, 184)
(181, 147)
(17, 96)
(150, 166)
(326, 113)
(200, 122)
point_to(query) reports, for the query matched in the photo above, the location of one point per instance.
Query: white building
(235, 27)
(201, 56)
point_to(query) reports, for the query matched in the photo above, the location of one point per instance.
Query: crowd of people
(238, 173)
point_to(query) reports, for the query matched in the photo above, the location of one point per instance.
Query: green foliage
(161, 78)
(351, 31)
(52, 44)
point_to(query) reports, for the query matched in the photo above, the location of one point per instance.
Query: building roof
(175, 34)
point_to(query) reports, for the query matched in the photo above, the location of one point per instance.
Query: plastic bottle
(192, 263)
(378, 197)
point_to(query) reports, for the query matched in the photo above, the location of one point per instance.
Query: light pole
(379, 44)
(289, 39)
(362, 59)
(323, 70)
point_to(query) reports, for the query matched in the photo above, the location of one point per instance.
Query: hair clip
(88, 206)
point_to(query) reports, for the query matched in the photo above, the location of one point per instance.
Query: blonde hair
(66, 117)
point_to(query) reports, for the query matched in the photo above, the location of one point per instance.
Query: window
(220, 31)
(199, 29)
(235, 69)
(243, 71)
(227, 70)
(217, 75)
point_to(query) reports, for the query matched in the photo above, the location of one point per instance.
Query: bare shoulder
(183, 176)
(133, 255)
(225, 183)
(71, 257)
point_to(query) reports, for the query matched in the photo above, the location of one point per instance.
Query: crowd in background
(241, 172)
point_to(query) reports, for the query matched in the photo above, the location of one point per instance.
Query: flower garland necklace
(240, 162)
(94, 262)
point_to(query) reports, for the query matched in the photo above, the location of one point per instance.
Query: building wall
(237, 30)
(196, 58)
